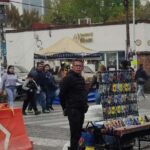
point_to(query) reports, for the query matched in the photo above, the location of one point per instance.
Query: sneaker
(45, 111)
(24, 113)
(37, 113)
(50, 107)
(30, 111)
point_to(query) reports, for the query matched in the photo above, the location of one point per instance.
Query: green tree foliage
(144, 12)
(28, 18)
(50, 10)
(13, 18)
(69, 11)
(21, 22)
(100, 11)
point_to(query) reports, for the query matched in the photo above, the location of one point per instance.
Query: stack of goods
(118, 94)
(111, 125)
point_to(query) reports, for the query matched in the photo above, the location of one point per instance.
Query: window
(111, 60)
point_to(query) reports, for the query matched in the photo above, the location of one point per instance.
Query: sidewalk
(144, 105)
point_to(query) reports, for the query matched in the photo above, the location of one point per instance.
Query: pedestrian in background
(62, 72)
(30, 87)
(96, 83)
(73, 98)
(141, 77)
(50, 87)
(9, 83)
(39, 77)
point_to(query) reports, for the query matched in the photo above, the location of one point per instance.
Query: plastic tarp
(13, 135)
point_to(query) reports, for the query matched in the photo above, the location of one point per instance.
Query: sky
(144, 1)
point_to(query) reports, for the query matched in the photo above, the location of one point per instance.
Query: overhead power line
(28, 4)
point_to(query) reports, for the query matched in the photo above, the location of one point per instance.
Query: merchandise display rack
(118, 94)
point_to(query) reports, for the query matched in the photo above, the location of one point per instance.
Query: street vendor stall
(121, 123)
(120, 107)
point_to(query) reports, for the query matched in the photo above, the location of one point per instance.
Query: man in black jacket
(39, 77)
(73, 97)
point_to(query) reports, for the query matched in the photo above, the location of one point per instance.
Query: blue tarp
(91, 97)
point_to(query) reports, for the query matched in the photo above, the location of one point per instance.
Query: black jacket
(50, 82)
(141, 76)
(39, 78)
(73, 93)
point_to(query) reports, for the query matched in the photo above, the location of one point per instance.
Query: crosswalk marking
(46, 121)
(48, 142)
(56, 119)
(56, 124)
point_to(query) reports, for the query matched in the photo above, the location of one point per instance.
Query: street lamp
(126, 5)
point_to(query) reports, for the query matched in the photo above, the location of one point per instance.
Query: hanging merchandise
(118, 94)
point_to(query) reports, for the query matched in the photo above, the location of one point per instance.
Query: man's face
(40, 67)
(77, 67)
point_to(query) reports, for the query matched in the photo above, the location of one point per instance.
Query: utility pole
(133, 9)
(126, 6)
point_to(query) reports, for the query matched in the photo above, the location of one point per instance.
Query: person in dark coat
(39, 77)
(30, 87)
(73, 98)
(141, 78)
(50, 87)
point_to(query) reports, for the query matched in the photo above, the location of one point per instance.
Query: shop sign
(83, 37)
(96, 56)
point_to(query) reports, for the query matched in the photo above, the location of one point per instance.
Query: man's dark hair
(39, 63)
(140, 65)
(125, 64)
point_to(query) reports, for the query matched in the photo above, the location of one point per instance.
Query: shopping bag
(89, 148)
(13, 135)
(87, 136)
(86, 139)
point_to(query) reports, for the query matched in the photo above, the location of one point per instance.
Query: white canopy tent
(64, 46)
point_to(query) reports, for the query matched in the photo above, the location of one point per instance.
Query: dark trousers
(50, 96)
(30, 100)
(76, 120)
